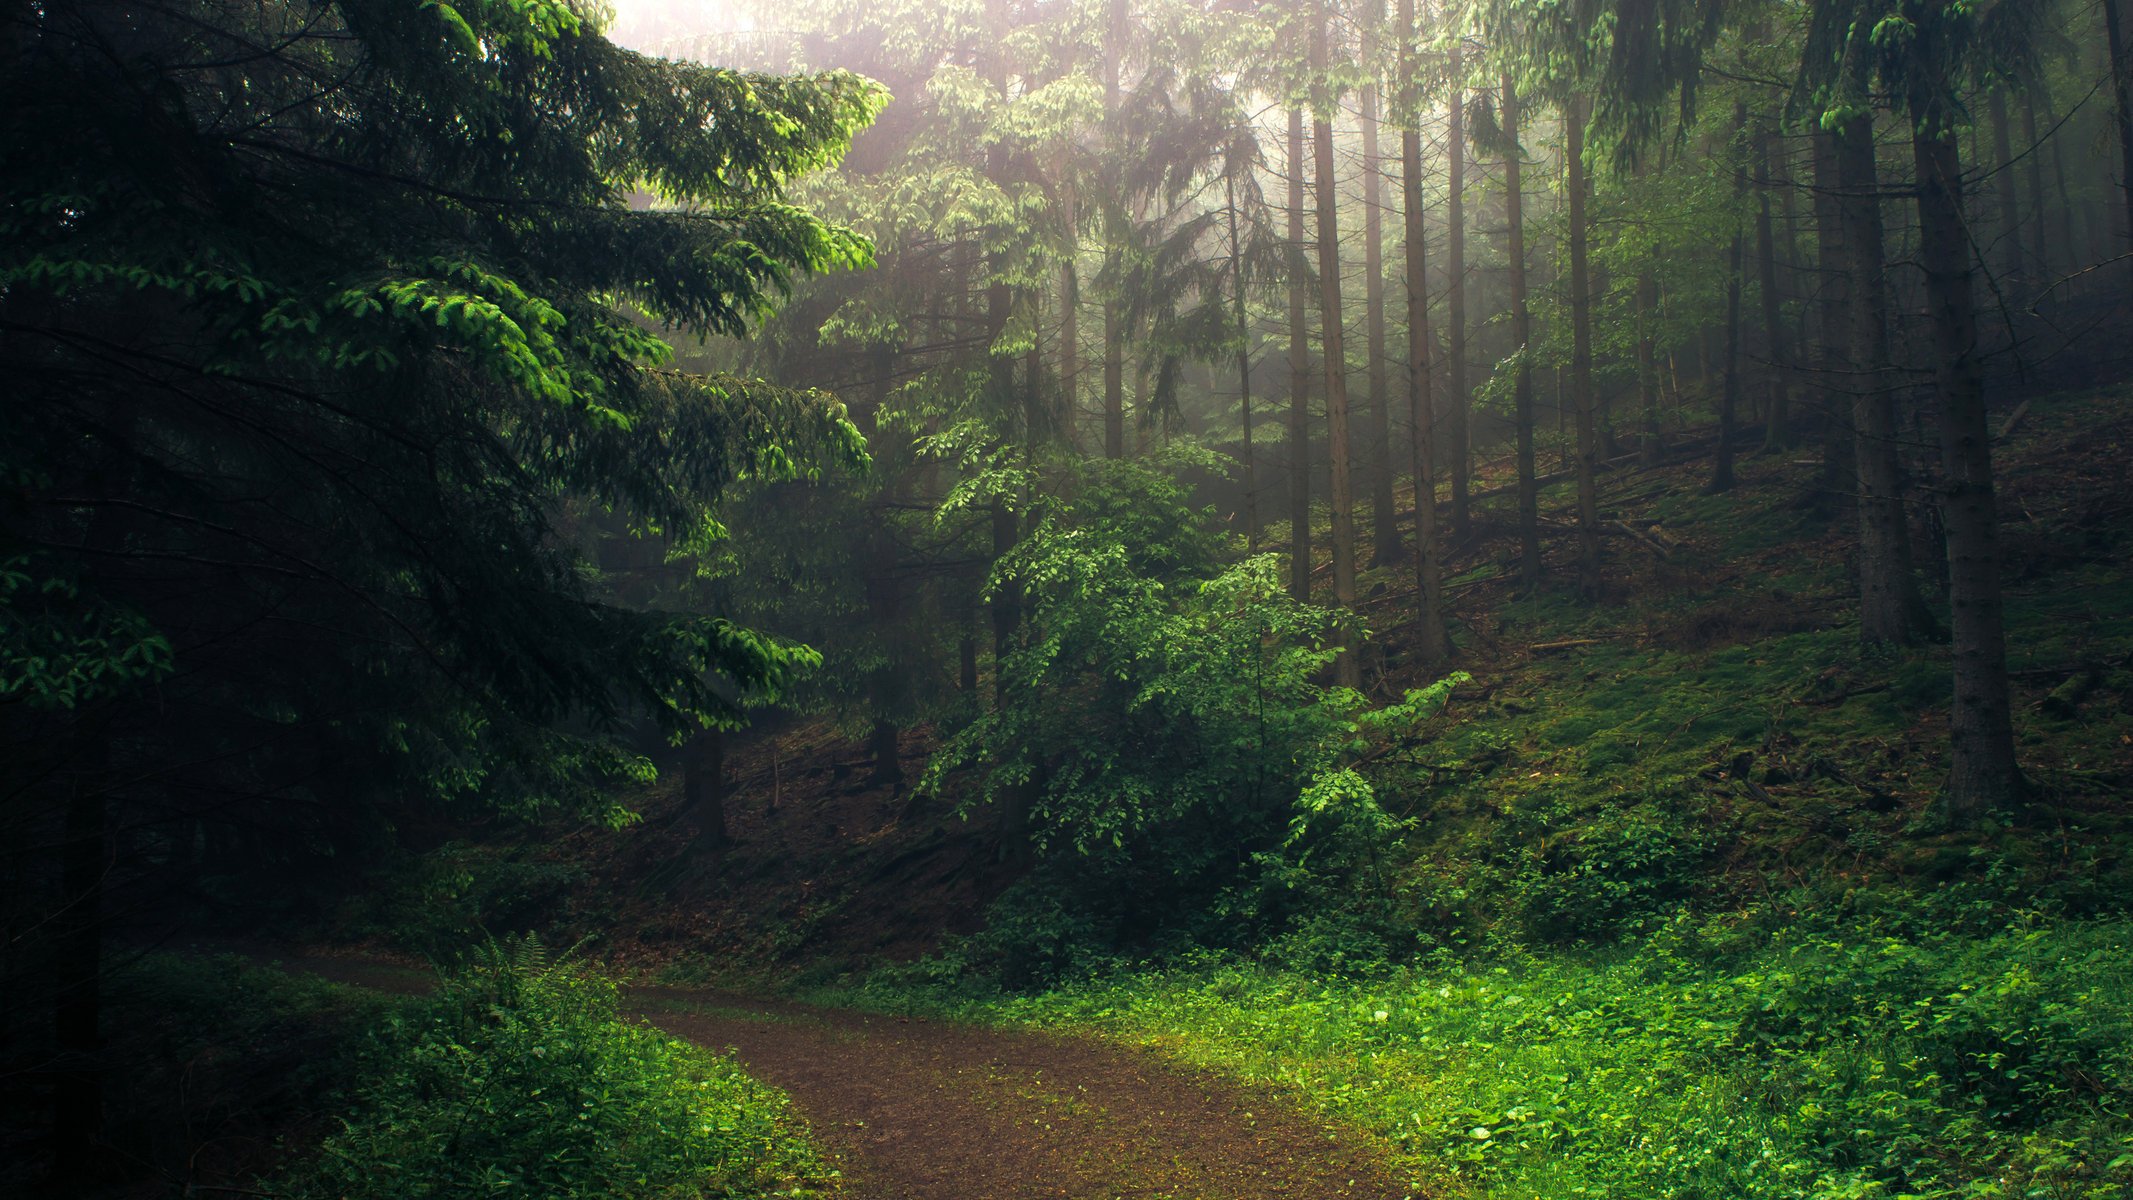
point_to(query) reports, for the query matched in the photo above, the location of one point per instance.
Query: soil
(912, 1109)
(919, 1110)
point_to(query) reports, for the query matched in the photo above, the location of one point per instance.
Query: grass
(1754, 1055)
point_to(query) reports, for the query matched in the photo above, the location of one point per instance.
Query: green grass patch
(1744, 1056)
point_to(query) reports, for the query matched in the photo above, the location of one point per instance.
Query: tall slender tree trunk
(1581, 398)
(1070, 314)
(1983, 773)
(1244, 372)
(1722, 479)
(1347, 669)
(1833, 308)
(1431, 644)
(1299, 375)
(2003, 175)
(1460, 451)
(2122, 90)
(703, 786)
(1647, 362)
(1777, 430)
(1114, 331)
(2040, 249)
(1384, 523)
(1529, 547)
(1890, 606)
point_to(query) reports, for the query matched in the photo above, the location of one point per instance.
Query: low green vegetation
(521, 1077)
(1941, 1049)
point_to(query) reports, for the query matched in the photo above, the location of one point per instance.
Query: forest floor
(912, 1109)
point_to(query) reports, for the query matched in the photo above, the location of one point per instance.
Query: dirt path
(919, 1110)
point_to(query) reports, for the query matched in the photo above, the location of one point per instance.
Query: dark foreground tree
(317, 321)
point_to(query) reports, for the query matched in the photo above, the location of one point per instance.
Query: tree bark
(1529, 547)
(1777, 431)
(1299, 376)
(2040, 250)
(1722, 479)
(1983, 774)
(1890, 606)
(1431, 644)
(1114, 333)
(1347, 669)
(1244, 374)
(1385, 529)
(1581, 398)
(1833, 307)
(1459, 452)
(703, 786)
(2122, 90)
(2010, 236)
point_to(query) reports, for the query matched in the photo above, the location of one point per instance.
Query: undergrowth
(1761, 1054)
(519, 1077)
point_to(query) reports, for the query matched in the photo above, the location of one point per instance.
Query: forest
(983, 599)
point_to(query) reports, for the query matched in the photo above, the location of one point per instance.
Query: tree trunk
(1833, 309)
(1114, 333)
(1431, 645)
(1299, 376)
(1983, 774)
(703, 786)
(1529, 547)
(1890, 607)
(2122, 89)
(2040, 250)
(1581, 398)
(1777, 431)
(1244, 374)
(1459, 452)
(1347, 668)
(1729, 394)
(1647, 363)
(1384, 522)
(2010, 236)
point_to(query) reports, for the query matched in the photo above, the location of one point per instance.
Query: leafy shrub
(1608, 871)
(520, 1078)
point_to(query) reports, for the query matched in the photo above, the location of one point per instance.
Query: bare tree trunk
(1244, 374)
(1983, 774)
(2040, 251)
(1890, 607)
(1647, 365)
(1384, 523)
(1114, 333)
(1581, 399)
(1348, 668)
(1299, 376)
(1460, 451)
(1777, 430)
(2010, 237)
(1431, 644)
(1729, 396)
(2122, 89)
(1529, 548)
(1833, 308)
(703, 786)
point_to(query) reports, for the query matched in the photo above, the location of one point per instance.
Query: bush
(520, 1078)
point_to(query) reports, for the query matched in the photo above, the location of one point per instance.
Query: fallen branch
(1566, 644)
